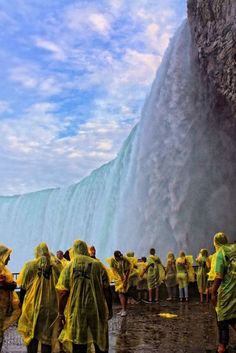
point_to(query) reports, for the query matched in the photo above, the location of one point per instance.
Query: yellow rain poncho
(155, 272)
(38, 278)
(182, 267)
(86, 311)
(226, 270)
(212, 272)
(203, 268)
(9, 302)
(120, 270)
(170, 279)
(142, 279)
(134, 275)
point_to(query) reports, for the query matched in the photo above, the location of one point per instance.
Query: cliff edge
(213, 28)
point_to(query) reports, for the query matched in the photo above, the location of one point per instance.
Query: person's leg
(223, 328)
(169, 293)
(97, 350)
(180, 294)
(157, 294)
(150, 294)
(1, 340)
(79, 348)
(201, 297)
(123, 300)
(174, 292)
(186, 293)
(46, 348)
(33, 346)
(207, 295)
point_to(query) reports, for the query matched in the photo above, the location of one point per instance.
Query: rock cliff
(213, 27)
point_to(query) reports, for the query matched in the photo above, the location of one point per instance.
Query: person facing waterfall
(155, 275)
(9, 302)
(202, 274)
(182, 267)
(223, 294)
(121, 268)
(85, 303)
(170, 279)
(38, 279)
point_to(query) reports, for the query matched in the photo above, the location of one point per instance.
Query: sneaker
(123, 313)
(169, 299)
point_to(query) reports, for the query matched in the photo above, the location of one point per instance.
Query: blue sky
(74, 77)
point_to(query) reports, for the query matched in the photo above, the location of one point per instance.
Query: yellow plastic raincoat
(226, 270)
(182, 267)
(134, 274)
(9, 302)
(38, 278)
(155, 272)
(120, 270)
(142, 279)
(203, 268)
(170, 279)
(86, 311)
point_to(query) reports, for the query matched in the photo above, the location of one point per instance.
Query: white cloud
(30, 76)
(57, 52)
(99, 23)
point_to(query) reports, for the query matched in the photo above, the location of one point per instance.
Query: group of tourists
(65, 300)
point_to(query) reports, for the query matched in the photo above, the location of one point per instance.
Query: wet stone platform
(144, 331)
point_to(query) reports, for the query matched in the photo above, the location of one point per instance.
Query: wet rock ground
(144, 331)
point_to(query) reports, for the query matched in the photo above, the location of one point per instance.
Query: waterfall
(172, 185)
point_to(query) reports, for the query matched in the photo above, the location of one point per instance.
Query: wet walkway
(144, 331)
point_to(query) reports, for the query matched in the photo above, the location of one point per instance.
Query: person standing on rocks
(38, 296)
(85, 303)
(224, 288)
(9, 302)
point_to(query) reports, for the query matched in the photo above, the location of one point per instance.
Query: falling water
(171, 186)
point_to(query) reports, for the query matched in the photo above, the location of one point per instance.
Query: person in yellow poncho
(202, 274)
(182, 267)
(9, 302)
(121, 267)
(85, 303)
(155, 275)
(142, 280)
(171, 276)
(133, 278)
(224, 288)
(60, 256)
(38, 295)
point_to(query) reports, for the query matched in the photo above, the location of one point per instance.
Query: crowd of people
(65, 300)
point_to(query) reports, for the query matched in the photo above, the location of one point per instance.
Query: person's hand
(214, 299)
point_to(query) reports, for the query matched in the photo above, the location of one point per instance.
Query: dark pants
(223, 327)
(82, 348)
(1, 340)
(33, 347)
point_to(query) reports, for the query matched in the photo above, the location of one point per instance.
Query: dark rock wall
(213, 27)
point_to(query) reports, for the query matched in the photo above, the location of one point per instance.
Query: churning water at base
(171, 186)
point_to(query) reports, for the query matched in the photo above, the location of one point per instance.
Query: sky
(74, 77)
